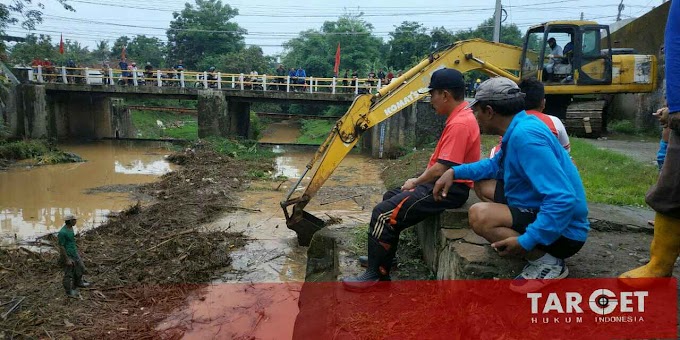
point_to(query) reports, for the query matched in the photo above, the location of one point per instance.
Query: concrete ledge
(460, 259)
(453, 251)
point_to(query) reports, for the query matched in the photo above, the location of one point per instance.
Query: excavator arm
(368, 110)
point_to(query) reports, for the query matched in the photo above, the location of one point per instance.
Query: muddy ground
(143, 262)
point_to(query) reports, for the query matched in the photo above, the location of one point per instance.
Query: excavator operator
(413, 202)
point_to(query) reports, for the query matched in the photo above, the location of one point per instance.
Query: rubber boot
(69, 287)
(663, 252)
(82, 283)
(378, 269)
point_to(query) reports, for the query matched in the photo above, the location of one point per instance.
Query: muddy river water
(34, 200)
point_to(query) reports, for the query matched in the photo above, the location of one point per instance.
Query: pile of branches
(144, 262)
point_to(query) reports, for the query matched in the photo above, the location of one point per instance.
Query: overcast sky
(271, 23)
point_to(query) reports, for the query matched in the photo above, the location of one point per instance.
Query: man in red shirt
(413, 202)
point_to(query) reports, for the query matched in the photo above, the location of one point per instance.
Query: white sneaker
(536, 276)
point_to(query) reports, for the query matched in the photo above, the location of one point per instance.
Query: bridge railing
(207, 80)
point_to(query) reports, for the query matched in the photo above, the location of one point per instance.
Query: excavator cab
(580, 54)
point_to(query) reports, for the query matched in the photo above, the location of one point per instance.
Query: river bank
(143, 262)
(32, 153)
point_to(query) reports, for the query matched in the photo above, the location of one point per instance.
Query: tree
(75, 51)
(117, 48)
(34, 47)
(144, 49)
(101, 53)
(441, 37)
(243, 61)
(30, 16)
(22, 11)
(315, 50)
(410, 43)
(510, 34)
(203, 31)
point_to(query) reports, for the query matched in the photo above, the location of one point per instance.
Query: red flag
(336, 69)
(61, 45)
(122, 54)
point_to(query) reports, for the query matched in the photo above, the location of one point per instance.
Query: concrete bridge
(54, 110)
(59, 107)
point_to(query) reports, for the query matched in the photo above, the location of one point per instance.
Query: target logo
(600, 301)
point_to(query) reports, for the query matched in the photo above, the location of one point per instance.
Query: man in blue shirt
(545, 218)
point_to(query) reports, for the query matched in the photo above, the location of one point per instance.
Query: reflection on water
(33, 201)
(139, 167)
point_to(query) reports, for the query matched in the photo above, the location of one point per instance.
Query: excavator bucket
(305, 226)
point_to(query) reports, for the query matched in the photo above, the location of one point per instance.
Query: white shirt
(556, 51)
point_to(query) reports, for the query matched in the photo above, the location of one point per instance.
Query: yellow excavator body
(589, 69)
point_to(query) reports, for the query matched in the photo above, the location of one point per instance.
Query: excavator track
(584, 118)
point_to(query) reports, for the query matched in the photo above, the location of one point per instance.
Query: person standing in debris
(72, 262)
(664, 196)
(545, 219)
(413, 202)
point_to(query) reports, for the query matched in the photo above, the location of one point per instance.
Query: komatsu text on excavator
(588, 65)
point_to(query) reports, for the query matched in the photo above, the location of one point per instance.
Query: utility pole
(497, 22)
(621, 8)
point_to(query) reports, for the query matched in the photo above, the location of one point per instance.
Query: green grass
(608, 177)
(24, 149)
(38, 150)
(623, 126)
(314, 131)
(359, 239)
(243, 150)
(176, 125)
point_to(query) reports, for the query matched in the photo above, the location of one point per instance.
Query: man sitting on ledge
(491, 190)
(545, 218)
(404, 207)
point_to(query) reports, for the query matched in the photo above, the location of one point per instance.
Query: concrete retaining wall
(453, 251)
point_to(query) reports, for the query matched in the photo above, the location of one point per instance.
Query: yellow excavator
(586, 66)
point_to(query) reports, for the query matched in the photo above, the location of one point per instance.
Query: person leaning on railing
(281, 75)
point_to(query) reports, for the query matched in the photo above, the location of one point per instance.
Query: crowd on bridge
(129, 73)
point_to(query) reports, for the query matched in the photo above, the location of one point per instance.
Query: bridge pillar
(121, 121)
(414, 126)
(239, 119)
(32, 111)
(212, 114)
(9, 111)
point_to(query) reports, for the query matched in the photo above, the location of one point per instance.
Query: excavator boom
(368, 110)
